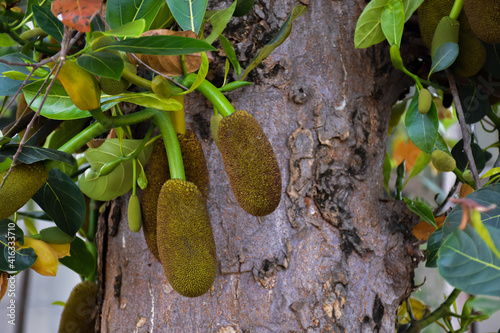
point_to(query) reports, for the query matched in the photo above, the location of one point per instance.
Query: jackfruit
(79, 313)
(24, 181)
(134, 214)
(185, 240)
(471, 55)
(116, 87)
(250, 163)
(157, 172)
(424, 101)
(442, 161)
(484, 18)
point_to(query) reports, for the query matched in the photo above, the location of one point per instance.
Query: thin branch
(463, 127)
(450, 194)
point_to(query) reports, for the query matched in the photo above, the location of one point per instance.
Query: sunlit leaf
(161, 45)
(392, 21)
(422, 210)
(369, 28)
(230, 53)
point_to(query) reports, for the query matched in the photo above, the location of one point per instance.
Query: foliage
(56, 59)
(465, 248)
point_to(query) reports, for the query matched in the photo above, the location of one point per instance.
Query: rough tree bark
(336, 255)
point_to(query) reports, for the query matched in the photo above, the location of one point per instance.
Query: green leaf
(277, 40)
(369, 29)
(10, 231)
(485, 196)
(420, 164)
(387, 172)
(219, 20)
(130, 29)
(48, 22)
(243, 7)
(103, 64)
(230, 53)
(434, 243)
(200, 76)
(444, 57)
(119, 13)
(393, 21)
(120, 180)
(491, 172)
(475, 103)
(80, 259)
(422, 210)
(492, 63)
(410, 6)
(33, 154)
(164, 18)
(161, 45)
(441, 144)
(234, 85)
(63, 201)
(6, 41)
(142, 180)
(422, 128)
(188, 13)
(467, 263)
(478, 224)
(58, 105)
(460, 157)
(14, 261)
(9, 86)
(54, 235)
(146, 99)
(486, 305)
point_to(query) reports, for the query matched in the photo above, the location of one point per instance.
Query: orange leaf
(406, 151)
(423, 230)
(76, 14)
(3, 283)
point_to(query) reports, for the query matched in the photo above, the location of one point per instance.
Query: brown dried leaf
(423, 230)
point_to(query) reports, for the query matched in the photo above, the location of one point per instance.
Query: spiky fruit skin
(115, 87)
(195, 165)
(442, 161)
(24, 181)
(484, 18)
(471, 56)
(80, 309)
(250, 163)
(185, 240)
(157, 172)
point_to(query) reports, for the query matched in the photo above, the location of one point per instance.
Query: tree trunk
(336, 254)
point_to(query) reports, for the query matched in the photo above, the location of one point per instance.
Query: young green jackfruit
(250, 163)
(484, 18)
(424, 101)
(157, 172)
(80, 310)
(24, 181)
(116, 87)
(134, 214)
(442, 161)
(446, 32)
(185, 240)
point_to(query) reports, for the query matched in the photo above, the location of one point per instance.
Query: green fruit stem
(397, 62)
(213, 94)
(174, 155)
(460, 176)
(32, 33)
(97, 128)
(456, 9)
(136, 79)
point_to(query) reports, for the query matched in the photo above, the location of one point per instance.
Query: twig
(463, 127)
(450, 194)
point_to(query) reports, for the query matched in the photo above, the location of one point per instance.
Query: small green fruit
(134, 214)
(446, 32)
(424, 101)
(442, 161)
